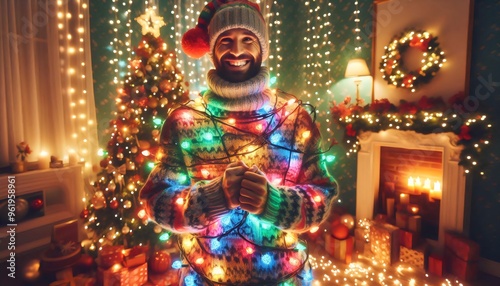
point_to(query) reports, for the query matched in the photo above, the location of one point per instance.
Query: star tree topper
(150, 22)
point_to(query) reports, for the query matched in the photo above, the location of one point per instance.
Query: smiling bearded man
(241, 176)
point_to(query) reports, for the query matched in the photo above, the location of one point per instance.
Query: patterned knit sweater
(247, 122)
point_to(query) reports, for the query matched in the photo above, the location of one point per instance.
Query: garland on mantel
(428, 115)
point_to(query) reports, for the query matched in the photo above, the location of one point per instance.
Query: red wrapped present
(415, 257)
(402, 219)
(464, 270)
(340, 249)
(436, 264)
(110, 255)
(384, 240)
(461, 246)
(170, 278)
(113, 276)
(134, 256)
(138, 275)
(408, 239)
(415, 224)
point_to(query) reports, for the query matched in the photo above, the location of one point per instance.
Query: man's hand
(231, 183)
(253, 193)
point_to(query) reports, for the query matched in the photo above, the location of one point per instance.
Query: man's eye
(248, 40)
(225, 41)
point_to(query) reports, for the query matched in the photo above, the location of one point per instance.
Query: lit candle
(411, 184)
(436, 192)
(418, 183)
(427, 184)
(404, 199)
(72, 159)
(43, 160)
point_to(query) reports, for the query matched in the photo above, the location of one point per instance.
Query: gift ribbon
(118, 173)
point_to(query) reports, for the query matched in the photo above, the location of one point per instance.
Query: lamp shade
(356, 67)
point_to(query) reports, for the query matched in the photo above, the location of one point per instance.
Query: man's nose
(237, 48)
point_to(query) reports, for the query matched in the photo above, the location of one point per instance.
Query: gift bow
(118, 172)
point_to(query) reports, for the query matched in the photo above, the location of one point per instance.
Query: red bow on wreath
(419, 43)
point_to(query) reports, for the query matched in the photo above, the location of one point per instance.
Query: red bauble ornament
(85, 264)
(160, 261)
(113, 204)
(340, 231)
(36, 204)
(84, 214)
(104, 163)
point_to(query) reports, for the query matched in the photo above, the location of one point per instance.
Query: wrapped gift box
(436, 264)
(384, 241)
(138, 275)
(461, 246)
(113, 276)
(340, 249)
(408, 239)
(416, 257)
(171, 278)
(361, 245)
(134, 256)
(464, 270)
(415, 224)
(402, 219)
(110, 255)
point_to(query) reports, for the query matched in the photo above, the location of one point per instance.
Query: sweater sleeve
(171, 199)
(299, 206)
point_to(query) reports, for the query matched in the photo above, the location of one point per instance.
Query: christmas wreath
(392, 65)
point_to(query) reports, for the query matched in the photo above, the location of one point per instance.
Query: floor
(327, 271)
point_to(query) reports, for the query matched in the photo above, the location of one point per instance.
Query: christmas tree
(113, 214)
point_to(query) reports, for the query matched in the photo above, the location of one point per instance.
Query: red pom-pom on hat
(195, 42)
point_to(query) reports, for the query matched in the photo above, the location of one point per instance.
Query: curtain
(46, 93)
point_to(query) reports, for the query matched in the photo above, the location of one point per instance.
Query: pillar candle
(43, 161)
(72, 158)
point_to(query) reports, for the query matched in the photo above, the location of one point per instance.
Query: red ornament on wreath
(160, 261)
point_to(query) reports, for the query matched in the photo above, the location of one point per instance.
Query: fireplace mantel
(368, 172)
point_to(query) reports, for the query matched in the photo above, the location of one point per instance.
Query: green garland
(428, 115)
(392, 65)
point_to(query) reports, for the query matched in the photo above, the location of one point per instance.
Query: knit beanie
(219, 16)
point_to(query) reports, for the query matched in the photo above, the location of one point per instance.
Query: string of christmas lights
(75, 52)
(357, 31)
(472, 130)
(318, 48)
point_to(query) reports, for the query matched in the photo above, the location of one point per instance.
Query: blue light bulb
(214, 244)
(177, 264)
(266, 259)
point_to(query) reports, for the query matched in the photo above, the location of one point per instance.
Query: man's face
(237, 55)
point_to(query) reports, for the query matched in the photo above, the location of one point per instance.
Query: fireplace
(418, 172)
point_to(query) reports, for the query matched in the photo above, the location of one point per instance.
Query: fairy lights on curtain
(318, 48)
(357, 31)
(72, 20)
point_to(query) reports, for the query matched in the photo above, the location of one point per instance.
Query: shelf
(63, 190)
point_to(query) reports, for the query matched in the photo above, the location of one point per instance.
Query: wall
(485, 78)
